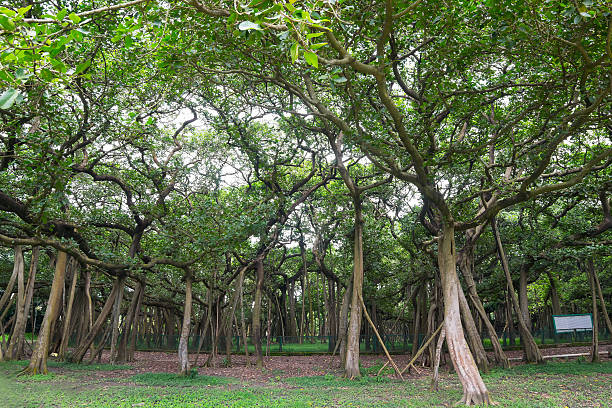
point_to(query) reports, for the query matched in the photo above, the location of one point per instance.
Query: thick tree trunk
(259, 278)
(592, 283)
(73, 267)
(15, 348)
(183, 355)
(473, 335)
(38, 361)
(351, 367)
(530, 348)
(80, 351)
(474, 389)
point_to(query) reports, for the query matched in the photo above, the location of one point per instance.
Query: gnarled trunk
(38, 361)
(474, 389)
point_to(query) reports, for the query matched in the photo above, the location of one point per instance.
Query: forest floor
(299, 381)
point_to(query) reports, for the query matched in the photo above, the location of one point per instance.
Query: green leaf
(248, 25)
(8, 12)
(8, 98)
(314, 35)
(82, 67)
(294, 52)
(318, 45)
(74, 18)
(339, 79)
(311, 58)
(7, 23)
(60, 15)
(21, 12)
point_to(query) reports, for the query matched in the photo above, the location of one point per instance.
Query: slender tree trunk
(80, 351)
(592, 283)
(245, 341)
(115, 321)
(20, 310)
(417, 321)
(256, 319)
(343, 323)
(523, 301)
(231, 316)
(474, 389)
(183, 354)
(532, 352)
(38, 361)
(73, 267)
(602, 302)
(136, 319)
(436, 364)
(292, 326)
(15, 348)
(554, 294)
(465, 265)
(129, 324)
(473, 335)
(351, 368)
(331, 311)
(17, 265)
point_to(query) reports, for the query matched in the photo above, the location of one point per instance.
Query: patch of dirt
(280, 367)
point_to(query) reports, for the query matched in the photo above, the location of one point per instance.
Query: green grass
(167, 379)
(558, 384)
(18, 365)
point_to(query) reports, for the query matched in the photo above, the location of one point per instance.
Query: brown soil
(286, 366)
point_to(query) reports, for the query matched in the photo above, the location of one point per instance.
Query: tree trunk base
(470, 398)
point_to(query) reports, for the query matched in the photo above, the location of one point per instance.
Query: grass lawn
(559, 384)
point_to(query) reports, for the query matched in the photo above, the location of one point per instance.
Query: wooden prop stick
(365, 312)
(423, 347)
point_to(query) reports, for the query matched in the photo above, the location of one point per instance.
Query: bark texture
(474, 389)
(38, 361)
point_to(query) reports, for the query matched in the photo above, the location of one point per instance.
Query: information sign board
(570, 323)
